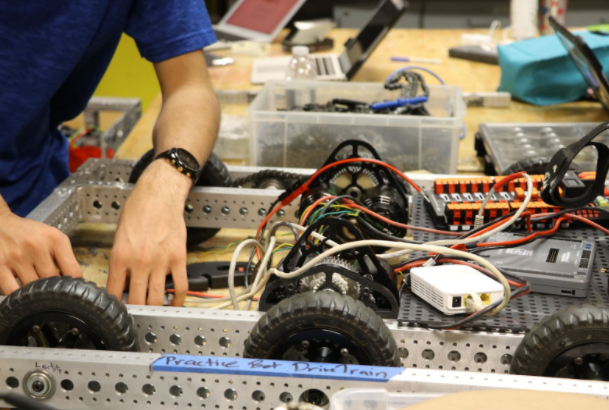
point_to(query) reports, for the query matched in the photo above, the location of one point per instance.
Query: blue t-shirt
(53, 55)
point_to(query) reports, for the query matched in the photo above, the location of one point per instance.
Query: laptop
(258, 20)
(586, 62)
(331, 66)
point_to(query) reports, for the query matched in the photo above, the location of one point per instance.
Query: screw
(207, 209)
(243, 211)
(75, 331)
(189, 208)
(262, 212)
(578, 361)
(344, 352)
(368, 276)
(305, 344)
(225, 210)
(281, 213)
(38, 386)
(36, 328)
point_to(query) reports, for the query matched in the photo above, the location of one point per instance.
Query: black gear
(213, 174)
(579, 330)
(64, 296)
(307, 313)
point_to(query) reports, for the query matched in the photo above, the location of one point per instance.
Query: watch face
(187, 159)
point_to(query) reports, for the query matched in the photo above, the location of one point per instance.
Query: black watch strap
(183, 161)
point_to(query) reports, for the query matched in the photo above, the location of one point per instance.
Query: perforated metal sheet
(521, 314)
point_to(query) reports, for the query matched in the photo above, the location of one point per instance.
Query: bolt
(36, 328)
(207, 209)
(305, 344)
(368, 276)
(281, 213)
(189, 208)
(243, 211)
(75, 331)
(38, 386)
(344, 352)
(578, 361)
(225, 210)
(262, 212)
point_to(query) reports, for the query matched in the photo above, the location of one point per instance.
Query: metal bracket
(115, 135)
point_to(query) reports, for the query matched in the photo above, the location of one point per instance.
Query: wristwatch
(183, 161)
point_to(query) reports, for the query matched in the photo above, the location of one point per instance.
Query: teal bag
(540, 71)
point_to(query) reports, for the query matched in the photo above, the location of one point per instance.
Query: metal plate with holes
(523, 313)
(98, 379)
(223, 333)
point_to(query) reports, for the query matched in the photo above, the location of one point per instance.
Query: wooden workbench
(93, 250)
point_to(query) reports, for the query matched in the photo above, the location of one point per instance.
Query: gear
(268, 178)
(340, 283)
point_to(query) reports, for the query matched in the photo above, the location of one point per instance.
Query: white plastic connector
(473, 303)
(478, 221)
(429, 262)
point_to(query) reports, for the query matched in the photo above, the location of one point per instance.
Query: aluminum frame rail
(76, 379)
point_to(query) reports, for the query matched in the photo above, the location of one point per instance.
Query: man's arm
(150, 239)
(30, 250)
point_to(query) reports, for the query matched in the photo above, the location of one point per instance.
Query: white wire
(412, 247)
(475, 239)
(233, 266)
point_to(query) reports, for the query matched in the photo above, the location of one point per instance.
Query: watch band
(183, 161)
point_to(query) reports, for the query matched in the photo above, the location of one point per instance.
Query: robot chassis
(216, 374)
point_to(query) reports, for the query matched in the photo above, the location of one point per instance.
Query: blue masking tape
(277, 368)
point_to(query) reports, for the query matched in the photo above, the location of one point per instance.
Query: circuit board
(454, 202)
(520, 314)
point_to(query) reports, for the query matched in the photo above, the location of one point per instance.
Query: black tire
(565, 330)
(535, 166)
(85, 300)
(328, 310)
(214, 174)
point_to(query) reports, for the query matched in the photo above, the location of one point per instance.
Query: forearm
(4, 209)
(189, 119)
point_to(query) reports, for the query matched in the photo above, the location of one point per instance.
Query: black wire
(382, 234)
(330, 202)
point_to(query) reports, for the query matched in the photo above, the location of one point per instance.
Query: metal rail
(69, 379)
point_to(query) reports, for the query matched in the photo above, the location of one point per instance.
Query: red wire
(534, 235)
(82, 134)
(507, 179)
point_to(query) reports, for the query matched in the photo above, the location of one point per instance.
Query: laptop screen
(358, 49)
(262, 16)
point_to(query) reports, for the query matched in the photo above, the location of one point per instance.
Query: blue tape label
(277, 368)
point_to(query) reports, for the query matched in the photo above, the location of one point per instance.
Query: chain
(288, 178)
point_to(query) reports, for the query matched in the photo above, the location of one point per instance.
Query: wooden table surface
(93, 243)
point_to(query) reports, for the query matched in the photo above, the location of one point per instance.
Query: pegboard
(520, 314)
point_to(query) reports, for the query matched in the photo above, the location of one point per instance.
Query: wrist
(161, 178)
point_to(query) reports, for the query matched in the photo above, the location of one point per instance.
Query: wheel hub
(585, 362)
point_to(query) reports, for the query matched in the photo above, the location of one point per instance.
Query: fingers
(26, 274)
(117, 278)
(138, 285)
(8, 283)
(156, 288)
(64, 257)
(180, 284)
(45, 266)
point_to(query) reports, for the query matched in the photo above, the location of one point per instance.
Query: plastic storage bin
(282, 138)
(376, 399)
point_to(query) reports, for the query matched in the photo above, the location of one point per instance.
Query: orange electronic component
(519, 193)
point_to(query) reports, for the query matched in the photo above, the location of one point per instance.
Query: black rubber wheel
(326, 317)
(571, 343)
(535, 166)
(214, 174)
(79, 306)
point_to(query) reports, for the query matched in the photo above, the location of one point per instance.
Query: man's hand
(150, 239)
(30, 250)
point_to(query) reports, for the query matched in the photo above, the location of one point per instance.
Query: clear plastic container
(299, 139)
(300, 67)
(376, 399)
(509, 143)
